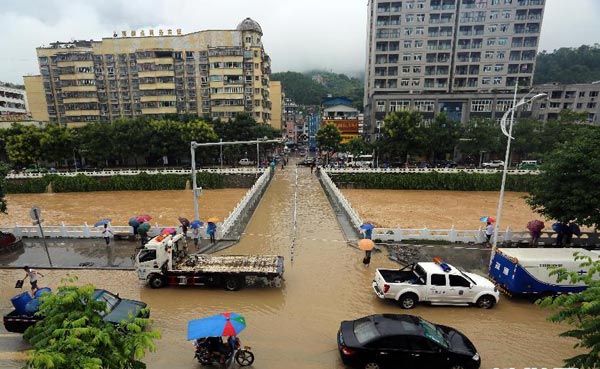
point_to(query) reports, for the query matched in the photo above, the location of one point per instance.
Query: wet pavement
(325, 282)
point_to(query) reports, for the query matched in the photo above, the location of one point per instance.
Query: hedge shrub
(140, 182)
(433, 181)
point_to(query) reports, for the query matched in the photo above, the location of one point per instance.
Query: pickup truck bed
(16, 323)
(396, 276)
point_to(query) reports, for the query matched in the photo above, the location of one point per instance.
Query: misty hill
(568, 65)
(310, 88)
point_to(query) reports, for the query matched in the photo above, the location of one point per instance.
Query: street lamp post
(508, 134)
(378, 135)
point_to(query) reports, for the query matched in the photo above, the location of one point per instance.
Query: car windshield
(365, 330)
(434, 333)
(466, 276)
(111, 301)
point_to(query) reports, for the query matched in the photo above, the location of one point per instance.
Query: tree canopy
(580, 310)
(74, 335)
(329, 137)
(568, 186)
(568, 65)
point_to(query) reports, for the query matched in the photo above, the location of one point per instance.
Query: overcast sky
(299, 35)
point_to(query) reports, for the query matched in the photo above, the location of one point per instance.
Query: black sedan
(406, 341)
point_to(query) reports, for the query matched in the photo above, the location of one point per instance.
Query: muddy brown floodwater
(76, 208)
(295, 326)
(440, 209)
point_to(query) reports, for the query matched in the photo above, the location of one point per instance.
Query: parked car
(445, 164)
(493, 164)
(407, 341)
(423, 164)
(246, 162)
(36, 169)
(528, 165)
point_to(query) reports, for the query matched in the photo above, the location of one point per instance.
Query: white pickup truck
(434, 282)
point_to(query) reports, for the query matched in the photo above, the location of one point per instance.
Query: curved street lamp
(503, 126)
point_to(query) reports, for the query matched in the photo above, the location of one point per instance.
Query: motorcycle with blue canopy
(213, 351)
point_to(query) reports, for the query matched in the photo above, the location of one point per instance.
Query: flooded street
(295, 326)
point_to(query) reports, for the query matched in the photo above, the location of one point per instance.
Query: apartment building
(339, 111)
(580, 98)
(425, 53)
(13, 102)
(218, 73)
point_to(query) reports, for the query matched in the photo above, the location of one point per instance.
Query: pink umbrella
(168, 231)
(143, 218)
(535, 225)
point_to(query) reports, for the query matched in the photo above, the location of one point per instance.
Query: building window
(487, 68)
(418, 57)
(420, 31)
(416, 69)
(502, 41)
(406, 57)
(405, 69)
(407, 44)
(504, 105)
(248, 39)
(404, 82)
(481, 105)
(500, 54)
(408, 31)
(492, 28)
(504, 27)
(381, 106)
(409, 18)
(489, 54)
(399, 105)
(491, 41)
(425, 105)
(499, 67)
(418, 44)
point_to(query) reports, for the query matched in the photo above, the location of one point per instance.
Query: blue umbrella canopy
(367, 226)
(133, 222)
(224, 324)
(196, 224)
(102, 222)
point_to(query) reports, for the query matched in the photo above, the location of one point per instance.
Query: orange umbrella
(366, 244)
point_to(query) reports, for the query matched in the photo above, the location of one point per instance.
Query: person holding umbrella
(211, 228)
(535, 231)
(106, 232)
(368, 229)
(185, 223)
(367, 245)
(195, 225)
(489, 229)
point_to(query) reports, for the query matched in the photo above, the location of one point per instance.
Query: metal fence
(133, 172)
(397, 234)
(428, 170)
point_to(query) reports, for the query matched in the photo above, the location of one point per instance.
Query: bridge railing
(133, 172)
(245, 205)
(428, 170)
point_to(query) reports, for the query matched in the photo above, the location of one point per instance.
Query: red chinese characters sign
(345, 125)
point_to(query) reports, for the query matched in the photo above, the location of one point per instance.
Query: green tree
(568, 65)
(440, 136)
(95, 141)
(357, 146)
(580, 310)
(329, 137)
(480, 135)
(74, 335)
(23, 145)
(56, 143)
(568, 186)
(401, 134)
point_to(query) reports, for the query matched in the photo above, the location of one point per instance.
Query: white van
(361, 161)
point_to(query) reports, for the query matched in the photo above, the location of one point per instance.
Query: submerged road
(295, 326)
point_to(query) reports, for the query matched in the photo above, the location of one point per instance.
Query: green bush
(433, 181)
(140, 182)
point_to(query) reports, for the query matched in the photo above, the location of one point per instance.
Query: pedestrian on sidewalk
(106, 233)
(196, 236)
(312, 167)
(211, 228)
(489, 230)
(32, 274)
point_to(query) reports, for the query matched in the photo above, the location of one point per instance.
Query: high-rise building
(454, 56)
(218, 73)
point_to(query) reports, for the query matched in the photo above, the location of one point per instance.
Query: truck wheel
(408, 300)
(371, 366)
(486, 302)
(232, 284)
(157, 281)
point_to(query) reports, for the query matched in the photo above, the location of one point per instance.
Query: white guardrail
(250, 199)
(133, 172)
(428, 170)
(397, 234)
(87, 231)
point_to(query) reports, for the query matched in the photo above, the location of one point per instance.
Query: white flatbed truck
(155, 264)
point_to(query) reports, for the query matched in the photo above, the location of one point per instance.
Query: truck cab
(434, 282)
(156, 256)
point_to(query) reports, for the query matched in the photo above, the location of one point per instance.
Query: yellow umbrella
(366, 244)
(213, 220)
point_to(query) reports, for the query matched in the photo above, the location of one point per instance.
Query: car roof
(394, 324)
(431, 268)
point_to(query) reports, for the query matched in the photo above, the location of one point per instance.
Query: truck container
(156, 264)
(523, 271)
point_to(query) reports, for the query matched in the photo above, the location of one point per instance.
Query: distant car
(528, 165)
(307, 162)
(245, 162)
(493, 164)
(423, 164)
(445, 164)
(36, 169)
(406, 341)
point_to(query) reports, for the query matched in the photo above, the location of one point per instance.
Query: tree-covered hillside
(569, 65)
(312, 87)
